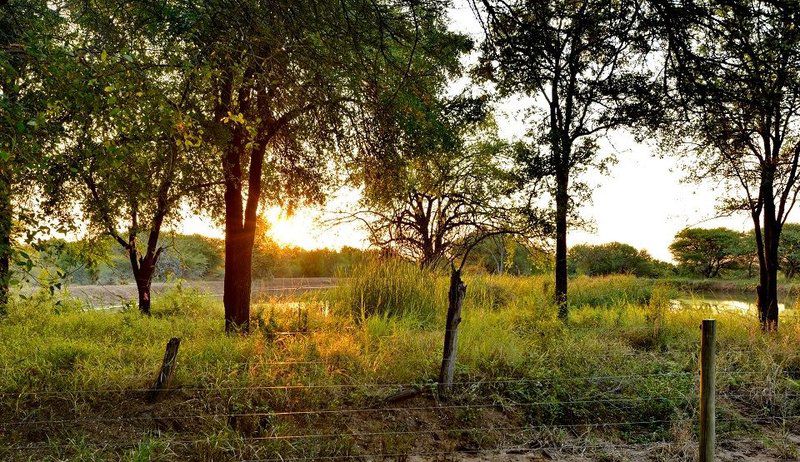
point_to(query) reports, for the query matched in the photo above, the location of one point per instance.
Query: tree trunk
(767, 244)
(238, 273)
(5, 241)
(768, 281)
(562, 204)
(144, 280)
(143, 270)
(455, 298)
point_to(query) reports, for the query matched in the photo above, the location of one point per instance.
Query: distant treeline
(192, 257)
(698, 252)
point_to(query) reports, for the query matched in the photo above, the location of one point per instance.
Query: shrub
(611, 258)
(388, 288)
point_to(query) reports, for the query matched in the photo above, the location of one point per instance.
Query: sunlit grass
(622, 341)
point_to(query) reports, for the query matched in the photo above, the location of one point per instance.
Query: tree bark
(240, 227)
(143, 274)
(5, 240)
(167, 371)
(562, 204)
(455, 298)
(238, 279)
(767, 243)
(768, 281)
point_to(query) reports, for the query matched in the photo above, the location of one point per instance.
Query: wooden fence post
(164, 378)
(707, 384)
(455, 301)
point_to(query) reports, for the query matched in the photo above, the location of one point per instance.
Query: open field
(315, 382)
(102, 295)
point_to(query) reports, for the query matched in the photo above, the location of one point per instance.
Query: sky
(643, 199)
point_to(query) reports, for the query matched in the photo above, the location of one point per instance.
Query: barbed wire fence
(400, 426)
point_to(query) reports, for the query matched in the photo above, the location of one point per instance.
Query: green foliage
(508, 255)
(707, 252)
(789, 250)
(611, 258)
(34, 69)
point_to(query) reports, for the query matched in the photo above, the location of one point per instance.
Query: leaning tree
(584, 62)
(734, 77)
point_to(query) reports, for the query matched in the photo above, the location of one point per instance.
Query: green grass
(623, 356)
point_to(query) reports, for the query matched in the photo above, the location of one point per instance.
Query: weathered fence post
(707, 384)
(164, 378)
(455, 298)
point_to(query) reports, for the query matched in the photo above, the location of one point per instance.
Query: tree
(134, 152)
(445, 199)
(440, 194)
(585, 61)
(790, 250)
(282, 82)
(611, 258)
(509, 254)
(733, 74)
(33, 67)
(707, 251)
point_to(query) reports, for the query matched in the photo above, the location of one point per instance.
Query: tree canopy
(707, 252)
(733, 76)
(586, 62)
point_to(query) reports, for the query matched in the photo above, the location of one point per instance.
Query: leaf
(104, 56)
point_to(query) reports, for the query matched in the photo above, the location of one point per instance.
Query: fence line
(341, 386)
(336, 411)
(707, 396)
(525, 428)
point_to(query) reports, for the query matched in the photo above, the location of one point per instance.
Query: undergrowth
(624, 355)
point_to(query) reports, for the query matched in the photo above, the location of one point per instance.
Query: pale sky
(642, 201)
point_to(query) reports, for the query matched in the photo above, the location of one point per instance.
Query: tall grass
(608, 291)
(375, 335)
(389, 289)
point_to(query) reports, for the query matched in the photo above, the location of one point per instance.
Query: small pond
(730, 301)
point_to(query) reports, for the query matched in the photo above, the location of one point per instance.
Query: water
(743, 302)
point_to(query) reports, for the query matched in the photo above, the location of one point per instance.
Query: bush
(707, 252)
(388, 288)
(611, 258)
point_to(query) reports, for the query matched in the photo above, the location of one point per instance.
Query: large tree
(32, 71)
(734, 74)
(283, 82)
(708, 251)
(132, 152)
(583, 61)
